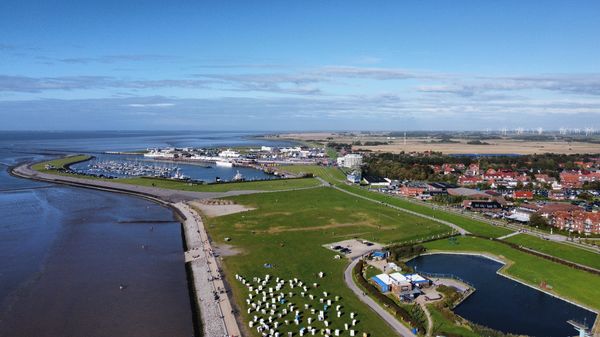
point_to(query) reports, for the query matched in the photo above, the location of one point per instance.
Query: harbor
(118, 166)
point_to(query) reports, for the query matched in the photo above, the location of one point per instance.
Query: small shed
(379, 255)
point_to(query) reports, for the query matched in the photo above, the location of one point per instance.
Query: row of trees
(406, 166)
(402, 170)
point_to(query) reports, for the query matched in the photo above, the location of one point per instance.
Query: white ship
(238, 177)
(179, 176)
(223, 163)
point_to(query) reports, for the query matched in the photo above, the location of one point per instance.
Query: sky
(299, 65)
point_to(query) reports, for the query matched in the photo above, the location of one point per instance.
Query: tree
(537, 220)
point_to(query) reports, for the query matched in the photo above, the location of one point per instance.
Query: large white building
(229, 154)
(352, 160)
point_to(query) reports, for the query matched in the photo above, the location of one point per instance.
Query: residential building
(523, 194)
(482, 205)
(351, 160)
(578, 221)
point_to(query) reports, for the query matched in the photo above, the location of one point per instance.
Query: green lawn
(443, 325)
(330, 174)
(288, 229)
(332, 153)
(560, 250)
(335, 176)
(60, 163)
(263, 185)
(577, 285)
(472, 225)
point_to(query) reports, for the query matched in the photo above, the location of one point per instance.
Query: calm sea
(76, 262)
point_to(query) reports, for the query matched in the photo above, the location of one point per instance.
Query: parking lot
(353, 248)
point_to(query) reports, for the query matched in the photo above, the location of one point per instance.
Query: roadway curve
(400, 329)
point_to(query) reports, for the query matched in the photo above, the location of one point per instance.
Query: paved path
(429, 319)
(447, 223)
(218, 318)
(508, 235)
(400, 329)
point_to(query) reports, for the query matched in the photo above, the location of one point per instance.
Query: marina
(130, 166)
(115, 168)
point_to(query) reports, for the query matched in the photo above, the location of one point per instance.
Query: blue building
(383, 281)
(379, 255)
(355, 177)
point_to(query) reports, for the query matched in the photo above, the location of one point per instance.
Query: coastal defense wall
(211, 295)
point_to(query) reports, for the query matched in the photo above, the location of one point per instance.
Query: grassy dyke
(576, 285)
(61, 163)
(560, 250)
(289, 229)
(262, 185)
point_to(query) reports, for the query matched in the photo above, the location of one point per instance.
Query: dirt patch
(224, 249)
(216, 209)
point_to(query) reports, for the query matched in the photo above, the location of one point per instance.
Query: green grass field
(263, 185)
(473, 226)
(335, 176)
(60, 163)
(442, 325)
(330, 174)
(332, 153)
(560, 250)
(288, 229)
(579, 286)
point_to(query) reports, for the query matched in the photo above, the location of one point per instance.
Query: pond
(501, 303)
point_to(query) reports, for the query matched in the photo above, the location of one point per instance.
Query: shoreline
(198, 268)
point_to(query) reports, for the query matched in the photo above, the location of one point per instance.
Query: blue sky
(303, 65)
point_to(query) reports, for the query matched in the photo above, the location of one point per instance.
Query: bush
(399, 252)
